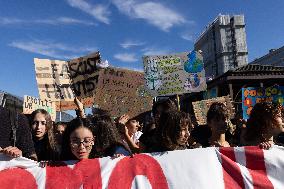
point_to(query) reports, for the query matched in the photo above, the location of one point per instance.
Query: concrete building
(275, 57)
(223, 45)
(11, 102)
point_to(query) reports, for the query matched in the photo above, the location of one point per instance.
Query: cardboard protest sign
(201, 108)
(84, 74)
(174, 74)
(31, 104)
(253, 95)
(61, 81)
(122, 91)
(53, 80)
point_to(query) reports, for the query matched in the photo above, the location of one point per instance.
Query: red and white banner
(244, 167)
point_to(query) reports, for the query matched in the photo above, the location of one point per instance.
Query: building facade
(223, 45)
(251, 75)
(275, 57)
(11, 102)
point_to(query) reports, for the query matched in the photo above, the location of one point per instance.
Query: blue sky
(122, 30)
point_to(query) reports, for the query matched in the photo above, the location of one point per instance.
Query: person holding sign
(43, 136)
(218, 121)
(80, 112)
(78, 140)
(129, 131)
(264, 123)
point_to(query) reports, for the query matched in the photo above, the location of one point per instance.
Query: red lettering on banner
(256, 167)
(17, 178)
(86, 172)
(231, 171)
(141, 164)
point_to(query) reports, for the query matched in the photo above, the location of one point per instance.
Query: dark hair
(64, 124)
(170, 125)
(100, 113)
(107, 136)
(76, 123)
(217, 110)
(262, 119)
(51, 147)
(164, 105)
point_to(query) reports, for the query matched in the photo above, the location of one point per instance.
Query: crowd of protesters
(166, 129)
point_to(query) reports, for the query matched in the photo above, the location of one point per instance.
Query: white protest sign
(53, 80)
(31, 104)
(174, 74)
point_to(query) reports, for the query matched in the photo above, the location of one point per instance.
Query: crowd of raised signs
(165, 128)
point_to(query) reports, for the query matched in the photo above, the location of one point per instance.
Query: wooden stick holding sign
(178, 102)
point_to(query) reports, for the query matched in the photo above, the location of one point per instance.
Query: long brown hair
(170, 125)
(107, 136)
(262, 119)
(51, 146)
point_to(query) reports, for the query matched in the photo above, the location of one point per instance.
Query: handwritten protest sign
(122, 91)
(201, 108)
(174, 74)
(84, 74)
(53, 80)
(253, 95)
(31, 104)
(60, 81)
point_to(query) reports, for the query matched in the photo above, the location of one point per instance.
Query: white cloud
(126, 57)
(155, 51)
(98, 11)
(65, 20)
(131, 43)
(154, 13)
(7, 21)
(50, 21)
(51, 49)
(187, 36)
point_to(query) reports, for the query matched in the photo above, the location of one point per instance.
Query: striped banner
(224, 168)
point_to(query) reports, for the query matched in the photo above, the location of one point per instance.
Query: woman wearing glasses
(43, 136)
(78, 140)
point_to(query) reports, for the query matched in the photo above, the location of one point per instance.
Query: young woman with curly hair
(265, 121)
(172, 132)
